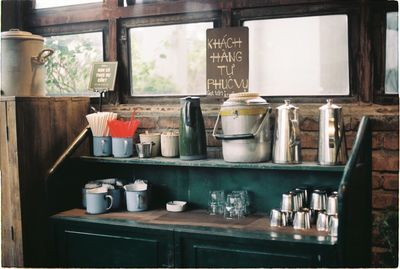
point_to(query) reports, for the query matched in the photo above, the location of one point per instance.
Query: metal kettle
(192, 134)
(332, 141)
(287, 145)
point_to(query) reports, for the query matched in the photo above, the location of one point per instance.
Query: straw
(98, 122)
(121, 128)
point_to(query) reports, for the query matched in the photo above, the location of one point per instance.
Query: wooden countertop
(253, 226)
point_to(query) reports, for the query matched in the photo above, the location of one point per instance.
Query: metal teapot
(332, 141)
(287, 145)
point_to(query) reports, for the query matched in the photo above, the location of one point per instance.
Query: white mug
(170, 144)
(96, 201)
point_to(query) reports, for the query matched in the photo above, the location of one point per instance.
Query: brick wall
(385, 144)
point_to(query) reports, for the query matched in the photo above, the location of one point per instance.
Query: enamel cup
(98, 201)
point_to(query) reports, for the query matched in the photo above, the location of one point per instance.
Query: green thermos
(192, 134)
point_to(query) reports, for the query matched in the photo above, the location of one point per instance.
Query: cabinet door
(100, 245)
(195, 250)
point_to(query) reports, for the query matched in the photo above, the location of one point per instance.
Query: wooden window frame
(378, 44)
(307, 10)
(124, 45)
(366, 50)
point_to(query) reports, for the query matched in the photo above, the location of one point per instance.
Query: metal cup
(277, 218)
(302, 219)
(333, 225)
(144, 149)
(332, 208)
(298, 198)
(318, 200)
(322, 221)
(306, 195)
(287, 202)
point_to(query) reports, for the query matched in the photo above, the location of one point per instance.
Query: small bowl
(176, 206)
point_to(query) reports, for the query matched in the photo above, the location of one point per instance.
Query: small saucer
(176, 206)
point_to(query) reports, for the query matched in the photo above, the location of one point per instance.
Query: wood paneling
(39, 130)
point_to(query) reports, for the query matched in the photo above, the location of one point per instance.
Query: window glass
(168, 60)
(68, 69)
(59, 3)
(299, 56)
(392, 54)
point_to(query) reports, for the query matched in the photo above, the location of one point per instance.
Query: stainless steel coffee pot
(332, 141)
(287, 145)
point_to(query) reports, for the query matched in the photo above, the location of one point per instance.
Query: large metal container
(287, 145)
(332, 141)
(246, 127)
(22, 63)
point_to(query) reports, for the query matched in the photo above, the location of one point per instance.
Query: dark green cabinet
(97, 245)
(194, 250)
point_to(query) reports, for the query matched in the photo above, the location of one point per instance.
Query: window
(168, 60)
(59, 3)
(392, 56)
(299, 56)
(68, 69)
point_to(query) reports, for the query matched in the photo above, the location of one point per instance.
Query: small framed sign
(227, 61)
(102, 76)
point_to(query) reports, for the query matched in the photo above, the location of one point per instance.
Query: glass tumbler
(216, 202)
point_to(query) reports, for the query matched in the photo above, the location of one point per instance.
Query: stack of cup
(216, 202)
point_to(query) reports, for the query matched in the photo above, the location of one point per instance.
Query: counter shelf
(208, 243)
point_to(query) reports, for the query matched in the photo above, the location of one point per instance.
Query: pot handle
(42, 56)
(240, 136)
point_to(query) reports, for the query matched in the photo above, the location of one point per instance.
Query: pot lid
(329, 105)
(245, 98)
(17, 34)
(287, 105)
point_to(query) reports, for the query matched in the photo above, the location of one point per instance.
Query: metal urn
(245, 119)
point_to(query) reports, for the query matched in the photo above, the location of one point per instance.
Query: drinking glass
(216, 202)
(244, 197)
(230, 207)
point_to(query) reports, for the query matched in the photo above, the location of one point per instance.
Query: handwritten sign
(102, 76)
(227, 61)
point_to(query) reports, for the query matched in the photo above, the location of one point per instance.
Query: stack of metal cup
(301, 210)
(326, 217)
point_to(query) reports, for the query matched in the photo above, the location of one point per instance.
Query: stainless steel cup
(298, 198)
(306, 195)
(322, 221)
(332, 208)
(318, 200)
(287, 202)
(277, 218)
(333, 225)
(144, 149)
(302, 219)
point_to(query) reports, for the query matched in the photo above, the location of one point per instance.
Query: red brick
(168, 123)
(209, 121)
(391, 181)
(385, 123)
(309, 155)
(377, 180)
(385, 199)
(391, 141)
(309, 140)
(377, 140)
(211, 141)
(147, 122)
(350, 136)
(309, 124)
(385, 160)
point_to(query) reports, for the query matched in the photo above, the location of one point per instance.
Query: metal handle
(42, 56)
(140, 200)
(339, 144)
(239, 136)
(295, 130)
(111, 201)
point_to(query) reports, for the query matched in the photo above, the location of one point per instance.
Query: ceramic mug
(122, 147)
(102, 146)
(136, 197)
(97, 201)
(170, 144)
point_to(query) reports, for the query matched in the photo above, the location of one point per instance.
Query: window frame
(125, 55)
(379, 53)
(304, 10)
